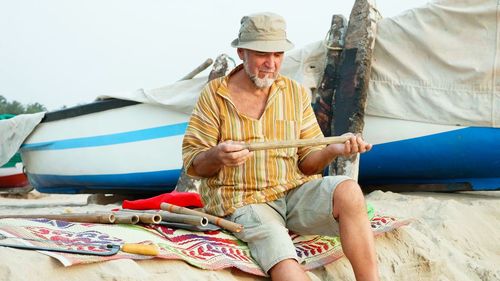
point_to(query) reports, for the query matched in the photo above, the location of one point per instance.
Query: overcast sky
(61, 52)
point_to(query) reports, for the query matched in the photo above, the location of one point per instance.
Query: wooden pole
(326, 90)
(197, 70)
(349, 99)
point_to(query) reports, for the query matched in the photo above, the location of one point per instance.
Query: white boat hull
(133, 148)
(137, 149)
(416, 153)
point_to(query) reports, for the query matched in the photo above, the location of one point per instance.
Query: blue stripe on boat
(469, 155)
(132, 136)
(162, 181)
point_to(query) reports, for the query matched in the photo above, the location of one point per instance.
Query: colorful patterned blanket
(212, 250)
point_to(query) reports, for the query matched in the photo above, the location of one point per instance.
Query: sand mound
(453, 237)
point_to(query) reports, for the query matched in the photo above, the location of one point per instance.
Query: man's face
(261, 67)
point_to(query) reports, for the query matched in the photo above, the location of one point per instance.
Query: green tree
(15, 107)
(3, 104)
(35, 107)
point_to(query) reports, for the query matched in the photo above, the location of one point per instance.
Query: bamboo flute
(149, 218)
(254, 146)
(174, 217)
(143, 217)
(126, 218)
(108, 218)
(182, 218)
(229, 225)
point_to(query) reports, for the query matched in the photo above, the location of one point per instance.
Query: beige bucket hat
(263, 32)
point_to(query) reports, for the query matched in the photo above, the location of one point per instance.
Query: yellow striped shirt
(269, 173)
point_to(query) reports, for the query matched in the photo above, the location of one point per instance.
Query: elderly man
(274, 191)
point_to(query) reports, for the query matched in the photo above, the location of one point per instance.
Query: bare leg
(288, 270)
(355, 232)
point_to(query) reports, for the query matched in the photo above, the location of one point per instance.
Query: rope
(325, 42)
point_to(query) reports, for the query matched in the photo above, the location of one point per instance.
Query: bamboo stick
(126, 218)
(143, 217)
(150, 218)
(71, 217)
(254, 146)
(173, 217)
(181, 218)
(229, 225)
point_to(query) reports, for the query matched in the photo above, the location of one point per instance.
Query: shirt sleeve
(309, 126)
(202, 132)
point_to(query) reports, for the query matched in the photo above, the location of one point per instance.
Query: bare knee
(347, 198)
(288, 269)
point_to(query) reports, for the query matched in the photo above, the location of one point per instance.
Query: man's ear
(241, 53)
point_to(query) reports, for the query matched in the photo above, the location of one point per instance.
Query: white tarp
(14, 131)
(439, 64)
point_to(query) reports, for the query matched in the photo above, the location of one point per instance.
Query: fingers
(347, 147)
(237, 158)
(233, 154)
(369, 147)
(241, 159)
(356, 144)
(230, 146)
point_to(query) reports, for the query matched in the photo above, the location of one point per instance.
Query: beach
(452, 236)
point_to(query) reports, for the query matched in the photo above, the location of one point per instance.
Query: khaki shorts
(305, 210)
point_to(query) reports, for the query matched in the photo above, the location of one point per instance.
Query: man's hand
(316, 161)
(231, 153)
(228, 153)
(354, 145)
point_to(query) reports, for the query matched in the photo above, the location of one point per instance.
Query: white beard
(260, 83)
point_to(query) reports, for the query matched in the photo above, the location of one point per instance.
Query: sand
(455, 236)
